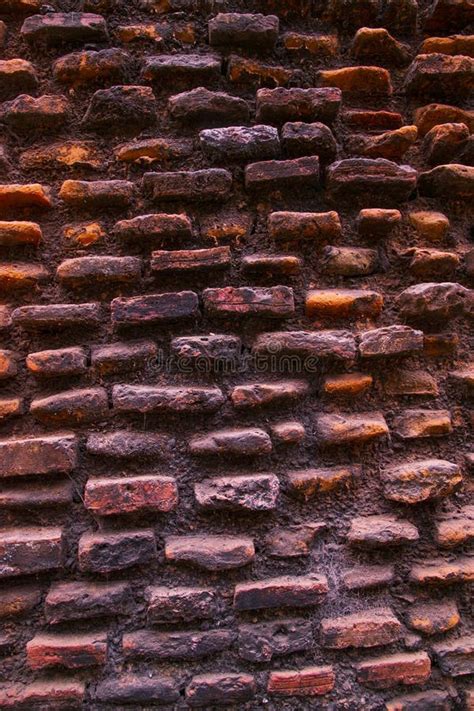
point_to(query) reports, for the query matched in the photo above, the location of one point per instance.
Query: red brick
(343, 303)
(19, 600)
(350, 429)
(275, 393)
(271, 302)
(67, 601)
(443, 572)
(57, 316)
(284, 591)
(294, 541)
(154, 308)
(117, 496)
(129, 687)
(456, 657)
(308, 681)
(59, 27)
(256, 492)
(402, 668)
(422, 480)
(339, 345)
(83, 271)
(418, 424)
(206, 184)
(24, 551)
(33, 195)
(367, 577)
(21, 275)
(154, 227)
(122, 357)
(72, 407)
(372, 120)
(433, 617)
(235, 442)
(381, 530)
(86, 195)
(358, 80)
(370, 628)
(455, 527)
(38, 455)
(234, 29)
(347, 385)
(176, 645)
(179, 604)
(58, 362)
(72, 651)
(294, 174)
(276, 106)
(54, 694)
(205, 690)
(10, 407)
(107, 552)
(189, 260)
(36, 495)
(434, 114)
(213, 553)
(250, 71)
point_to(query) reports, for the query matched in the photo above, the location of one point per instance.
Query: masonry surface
(236, 306)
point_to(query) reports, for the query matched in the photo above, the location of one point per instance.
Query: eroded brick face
(236, 370)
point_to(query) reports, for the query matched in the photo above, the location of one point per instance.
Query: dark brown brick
(122, 357)
(240, 144)
(234, 29)
(38, 455)
(176, 645)
(339, 345)
(232, 442)
(375, 181)
(205, 690)
(213, 553)
(154, 308)
(416, 424)
(187, 69)
(294, 174)
(300, 226)
(205, 349)
(154, 227)
(72, 651)
(60, 27)
(349, 429)
(294, 541)
(27, 113)
(17, 75)
(132, 688)
(72, 407)
(281, 592)
(179, 604)
(274, 393)
(67, 601)
(148, 398)
(107, 552)
(213, 108)
(57, 362)
(18, 600)
(443, 572)
(36, 495)
(126, 444)
(261, 642)
(433, 617)
(276, 106)
(121, 109)
(370, 628)
(24, 551)
(54, 693)
(206, 184)
(454, 528)
(107, 66)
(455, 657)
(308, 681)
(189, 260)
(256, 492)
(271, 302)
(128, 495)
(57, 316)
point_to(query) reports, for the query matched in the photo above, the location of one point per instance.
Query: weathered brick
(260, 394)
(38, 455)
(366, 120)
(122, 357)
(277, 106)
(441, 571)
(455, 657)
(431, 699)
(72, 406)
(121, 109)
(148, 398)
(262, 264)
(244, 30)
(132, 494)
(339, 345)
(349, 261)
(440, 75)
(214, 108)
(367, 577)
(431, 115)
(256, 492)
(375, 180)
(261, 642)
(67, 601)
(308, 681)
(131, 688)
(54, 693)
(213, 553)
(454, 528)
(358, 80)
(415, 424)
(240, 144)
(432, 263)
(232, 442)
(206, 184)
(90, 66)
(272, 175)
(85, 234)
(82, 271)
(350, 429)
(444, 142)
(270, 302)
(370, 628)
(17, 75)
(126, 444)
(347, 385)
(72, 651)
(284, 591)
(296, 226)
(36, 495)
(319, 45)
(440, 345)
(60, 27)
(86, 195)
(20, 7)
(189, 260)
(179, 604)
(10, 407)
(154, 227)
(154, 308)
(67, 154)
(308, 482)
(24, 551)
(213, 348)
(374, 222)
(388, 671)
(433, 301)
(381, 530)
(293, 542)
(176, 645)
(205, 690)
(151, 150)
(424, 480)
(8, 366)
(411, 382)
(21, 275)
(106, 552)
(18, 600)
(27, 113)
(391, 145)
(20, 233)
(32, 195)
(57, 316)
(377, 43)
(250, 71)
(454, 180)
(433, 617)
(343, 303)
(188, 69)
(289, 432)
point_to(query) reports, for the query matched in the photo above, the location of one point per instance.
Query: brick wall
(236, 410)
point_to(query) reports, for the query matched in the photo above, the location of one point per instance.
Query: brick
(59, 27)
(148, 398)
(319, 45)
(298, 173)
(424, 480)
(440, 75)
(68, 601)
(269, 302)
(154, 308)
(454, 528)
(141, 32)
(107, 552)
(5, 318)
(85, 234)
(55, 693)
(107, 66)
(19, 233)
(10, 407)
(454, 180)
(388, 671)
(213, 348)
(305, 139)
(308, 482)
(206, 184)
(339, 345)
(213, 108)
(293, 542)
(262, 264)
(367, 577)
(369, 628)
(308, 681)
(411, 382)
(444, 142)
(391, 145)
(416, 424)
(122, 357)
(190, 260)
(432, 301)
(8, 367)
(32, 195)
(374, 43)
(440, 345)
(87, 195)
(176, 645)
(27, 113)
(349, 261)
(261, 642)
(69, 154)
(381, 531)
(124, 444)
(57, 362)
(21, 275)
(347, 385)
(377, 180)
(57, 316)
(121, 109)
(375, 222)
(72, 651)
(433, 617)
(234, 29)
(277, 106)
(130, 495)
(103, 270)
(72, 407)
(180, 604)
(366, 120)
(455, 657)
(19, 600)
(358, 80)
(349, 429)
(390, 341)
(436, 700)
(24, 551)
(261, 394)
(289, 432)
(432, 263)
(284, 591)
(36, 495)
(17, 76)
(249, 71)
(343, 303)
(188, 69)
(154, 227)
(38, 455)
(443, 572)
(150, 150)
(431, 115)
(131, 688)
(296, 226)
(240, 144)
(256, 492)
(249, 442)
(463, 378)
(212, 553)
(222, 689)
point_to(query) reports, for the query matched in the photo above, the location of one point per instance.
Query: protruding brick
(261, 642)
(86, 195)
(55, 693)
(432, 301)
(20, 233)
(213, 553)
(180, 604)
(262, 264)
(349, 261)
(339, 345)
(126, 444)
(256, 492)
(149, 398)
(151, 150)
(440, 75)
(19, 600)
(455, 657)
(106, 552)
(206, 184)
(190, 260)
(443, 572)
(260, 394)
(414, 482)
(38, 455)
(16, 76)
(206, 690)
(90, 66)
(308, 681)
(154, 227)
(374, 222)
(122, 357)
(296, 226)
(121, 109)
(213, 348)
(370, 628)
(391, 145)
(350, 429)
(236, 442)
(375, 180)
(367, 577)
(240, 144)
(401, 668)
(454, 180)
(57, 316)
(85, 234)
(21, 275)
(434, 114)
(57, 362)
(411, 382)
(24, 551)
(128, 495)
(27, 113)
(250, 71)
(308, 482)
(243, 30)
(68, 601)
(33, 195)
(103, 270)
(347, 385)
(343, 303)
(381, 531)
(433, 617)
(10, 407)
(456, 527)
(154, 308)
(34, 495)
(415, 424)
(271, 302)
(431, 699)
(280, 592)
(277, 106)
(214, 108)
(187, 69)
(60, 27)
(358, 80)
(129, 687)
(72, 406)
(377, 43)
(73, 651)
(288, 432)
(445, 142)
(294, 541)
(298, 173)
(180, 646)
(319, 45)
